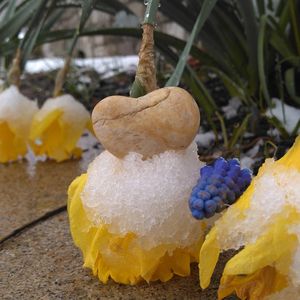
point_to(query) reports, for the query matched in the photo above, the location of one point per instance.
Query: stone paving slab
(43, 263)
(27, 194)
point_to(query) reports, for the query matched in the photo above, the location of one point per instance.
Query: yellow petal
(39, 126)
(272, 247)
(260, 268)
(209, 255)
(57, 139)
(255, 286)
(120, 256)
(11, 145)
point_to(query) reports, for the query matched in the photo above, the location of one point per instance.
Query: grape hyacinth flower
(220, 185)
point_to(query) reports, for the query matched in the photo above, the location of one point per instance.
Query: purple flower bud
(206, 171)
(212, 189)
(198, 214)
(221, 164)
(204, 195)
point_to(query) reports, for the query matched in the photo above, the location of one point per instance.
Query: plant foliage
(253, 47)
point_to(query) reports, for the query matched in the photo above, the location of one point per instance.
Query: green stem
(261, 60)
(223, 128)
(150, 14)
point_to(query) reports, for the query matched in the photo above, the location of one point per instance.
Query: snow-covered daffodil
(130, 216)
(16, 113)
(265, 225)
(57, 127)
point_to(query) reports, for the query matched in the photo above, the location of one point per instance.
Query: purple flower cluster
(220, 185)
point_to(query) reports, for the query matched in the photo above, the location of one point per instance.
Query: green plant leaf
(246, 9)
(87, 8)
(233, 88)
(239, 131)
(261, 7)
(261, 60)
(206, 9)
(107, 6)
(52, 19)
(201, 94)
(296, 129)
(278, 125)
(283, 13)
(36, 24)
(290, 84)
(19, 19)
(295, 23)
(223, 129)
(11, 7)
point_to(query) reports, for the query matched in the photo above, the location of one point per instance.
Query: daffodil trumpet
(264, 225)
(16, 114)
(57, 127)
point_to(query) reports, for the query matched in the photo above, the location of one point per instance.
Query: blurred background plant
(243, 67)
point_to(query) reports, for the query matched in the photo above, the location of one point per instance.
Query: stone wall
(106, 45)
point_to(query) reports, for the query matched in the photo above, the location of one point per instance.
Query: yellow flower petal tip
(114, 251)
(16, 113)
(265, 223)
(208, 258)
(57, 127)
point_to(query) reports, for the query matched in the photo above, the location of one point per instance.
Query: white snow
(17, 110)
(146, 197)
(247, 162)
(249, 158)
(231, 109)
(74, 113)
(292, 115)
(275, 189)
(205, 139)
(106, 66)
(87, 143)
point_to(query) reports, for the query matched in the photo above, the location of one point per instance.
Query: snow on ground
(231, 109)
(292, 115)
(250, 157)
(91, 148)
(107, 66)
(205, 139)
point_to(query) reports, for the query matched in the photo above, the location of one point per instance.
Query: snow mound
(292, 115)
(277, 188)
(146, 197)
(17, 110)
(74, 115)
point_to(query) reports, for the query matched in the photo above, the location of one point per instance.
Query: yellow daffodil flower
(16, 113)
(57, 127)
(265, 224)
(113, 251)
